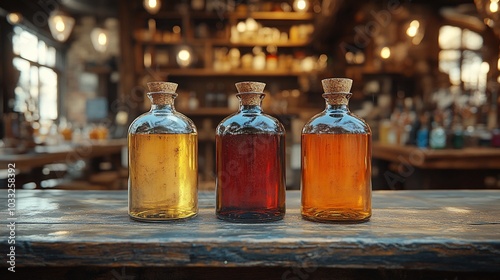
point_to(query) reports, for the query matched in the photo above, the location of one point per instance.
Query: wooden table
(30, 165)
(411, 234)
(409, 167)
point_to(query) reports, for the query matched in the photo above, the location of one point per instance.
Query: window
(37, 86)
(461, 59)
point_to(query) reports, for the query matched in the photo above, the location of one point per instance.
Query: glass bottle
(163, 162)
(250, 159)
(336, 160)
(437, 139)
(423, 133)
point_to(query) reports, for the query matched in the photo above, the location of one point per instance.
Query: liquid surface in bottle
(251, 181)
(336, 177)
(163, 176)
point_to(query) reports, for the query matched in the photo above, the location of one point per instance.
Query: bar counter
(433, 231)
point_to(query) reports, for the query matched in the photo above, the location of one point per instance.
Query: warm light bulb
(152, 3)
(413, 28)
(385, 53)
(60, 26)
(152, 6)
(14, 18)
(102, 39)
(493, 6)
(411, 31)
(498, 64)
(300, 5)
(184, 57)
(99, 38)
(485, 67)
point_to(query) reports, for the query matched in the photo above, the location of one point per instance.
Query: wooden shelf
(222, 42)
(225, 16)
(192, 72)
(274, 16)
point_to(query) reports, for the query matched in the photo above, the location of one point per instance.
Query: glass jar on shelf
(163, 166)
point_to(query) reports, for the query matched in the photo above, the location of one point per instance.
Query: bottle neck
(250, 102)
(337, 101)
(162, 102)
(256, 109)
(337, 107)
(166, 108)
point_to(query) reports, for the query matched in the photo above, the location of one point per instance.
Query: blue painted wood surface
(431, 230)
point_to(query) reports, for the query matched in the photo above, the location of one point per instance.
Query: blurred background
(426, 77)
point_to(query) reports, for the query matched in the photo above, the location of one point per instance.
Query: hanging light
(99, 38)
(14, 18)
(60, 25)
(152, 6)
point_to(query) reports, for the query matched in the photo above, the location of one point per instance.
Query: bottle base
(336, 216)
(241, 216)
(161, 216)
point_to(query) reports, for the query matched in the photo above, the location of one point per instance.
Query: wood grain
(419, 230)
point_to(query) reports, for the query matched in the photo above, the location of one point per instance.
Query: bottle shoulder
(162, 123)
(249, 123)
(336, 122)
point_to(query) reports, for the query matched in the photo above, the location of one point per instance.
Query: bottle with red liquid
(336, 161)
(250, 159)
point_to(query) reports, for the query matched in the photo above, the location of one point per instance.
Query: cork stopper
(165, 87)
(162, 93)
(250, 93)
(250, 87)
(337, 90)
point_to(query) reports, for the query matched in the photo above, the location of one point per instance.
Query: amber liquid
(250, 177)
(336, 177)
(163, 178)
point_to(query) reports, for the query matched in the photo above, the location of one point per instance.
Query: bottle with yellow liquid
(336, 161)
(163, 166)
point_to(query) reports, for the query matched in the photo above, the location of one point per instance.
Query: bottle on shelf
(163, 167)
(250, 160)
(422, 140)
(437, 139)
(336, 160)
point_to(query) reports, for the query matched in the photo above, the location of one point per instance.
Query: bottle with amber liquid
(250, 160)
(336, 161)
(163, 166)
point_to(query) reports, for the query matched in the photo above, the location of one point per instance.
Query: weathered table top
(467, 158)
(432, 230)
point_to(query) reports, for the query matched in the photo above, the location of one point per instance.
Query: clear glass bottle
(163, 160)
(250, 159)
(336, 160)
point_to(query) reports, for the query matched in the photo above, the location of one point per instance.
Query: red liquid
(250, 177)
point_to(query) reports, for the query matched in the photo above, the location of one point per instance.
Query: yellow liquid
(163, 176)
(336, 177)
